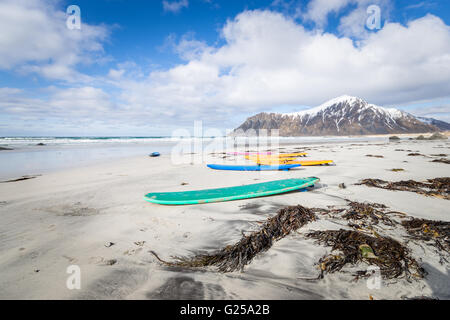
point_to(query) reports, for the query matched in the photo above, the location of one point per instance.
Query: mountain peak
(347, 101)
(344, 115)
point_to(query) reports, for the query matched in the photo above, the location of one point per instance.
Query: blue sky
(150, 67)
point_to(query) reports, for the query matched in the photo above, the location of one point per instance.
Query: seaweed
(415, 154)
(368, 213)
(235, 257)
(393, 258)
(441, 160)
(435, 233)
(437, 187)
(374, 156)
(21, 178)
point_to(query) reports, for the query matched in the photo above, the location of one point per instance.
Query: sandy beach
(95, 217)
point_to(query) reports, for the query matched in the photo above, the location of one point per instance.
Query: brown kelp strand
(436, 233)
(235, 257)
(437, 187)
(361, 215)
(368, 213)
(415, 154)
(389, 255)
(441, 160)
(374, 156)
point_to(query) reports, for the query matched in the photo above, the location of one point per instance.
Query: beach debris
(235, 257)
(110, 262)
(394, 138)
(131, 252)
(366, 211)
(5, 148)
(139, 243)
(434, 233)
(374, 156)
(342, 185)
(102, 261)
(109, 244)
(22, 178)
(441, 160)
(351, 247)
(397, 169)
(70, 259)
(37, 270)
(367, 252)
(415, 154)
(184, 183)
(439, 155)
(41, 144)
(437, 187)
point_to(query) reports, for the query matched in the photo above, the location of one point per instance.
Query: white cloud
(318, 10)
(175, 6)
(35, 38)
(71, 103)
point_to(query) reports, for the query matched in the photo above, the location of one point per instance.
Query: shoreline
(34, 160)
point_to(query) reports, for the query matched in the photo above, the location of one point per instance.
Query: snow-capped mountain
(345, 115)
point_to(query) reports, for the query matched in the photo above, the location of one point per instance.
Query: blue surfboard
(253, 167)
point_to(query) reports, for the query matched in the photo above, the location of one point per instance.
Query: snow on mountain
(344, 115)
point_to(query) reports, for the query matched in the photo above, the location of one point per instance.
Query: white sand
(66, 218)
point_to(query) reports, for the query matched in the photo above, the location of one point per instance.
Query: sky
(150, 67)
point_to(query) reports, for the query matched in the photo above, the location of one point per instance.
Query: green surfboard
(230, 193)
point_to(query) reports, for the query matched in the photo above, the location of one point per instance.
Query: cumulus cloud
(175, 6)
(35, 38)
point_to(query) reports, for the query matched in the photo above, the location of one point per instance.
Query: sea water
(56, 153)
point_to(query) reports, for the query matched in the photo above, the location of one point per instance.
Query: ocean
(38, 155)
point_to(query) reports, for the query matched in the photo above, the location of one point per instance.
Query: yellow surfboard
(286, 155)
(275, 159)
(302, 162)
(277, 156)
